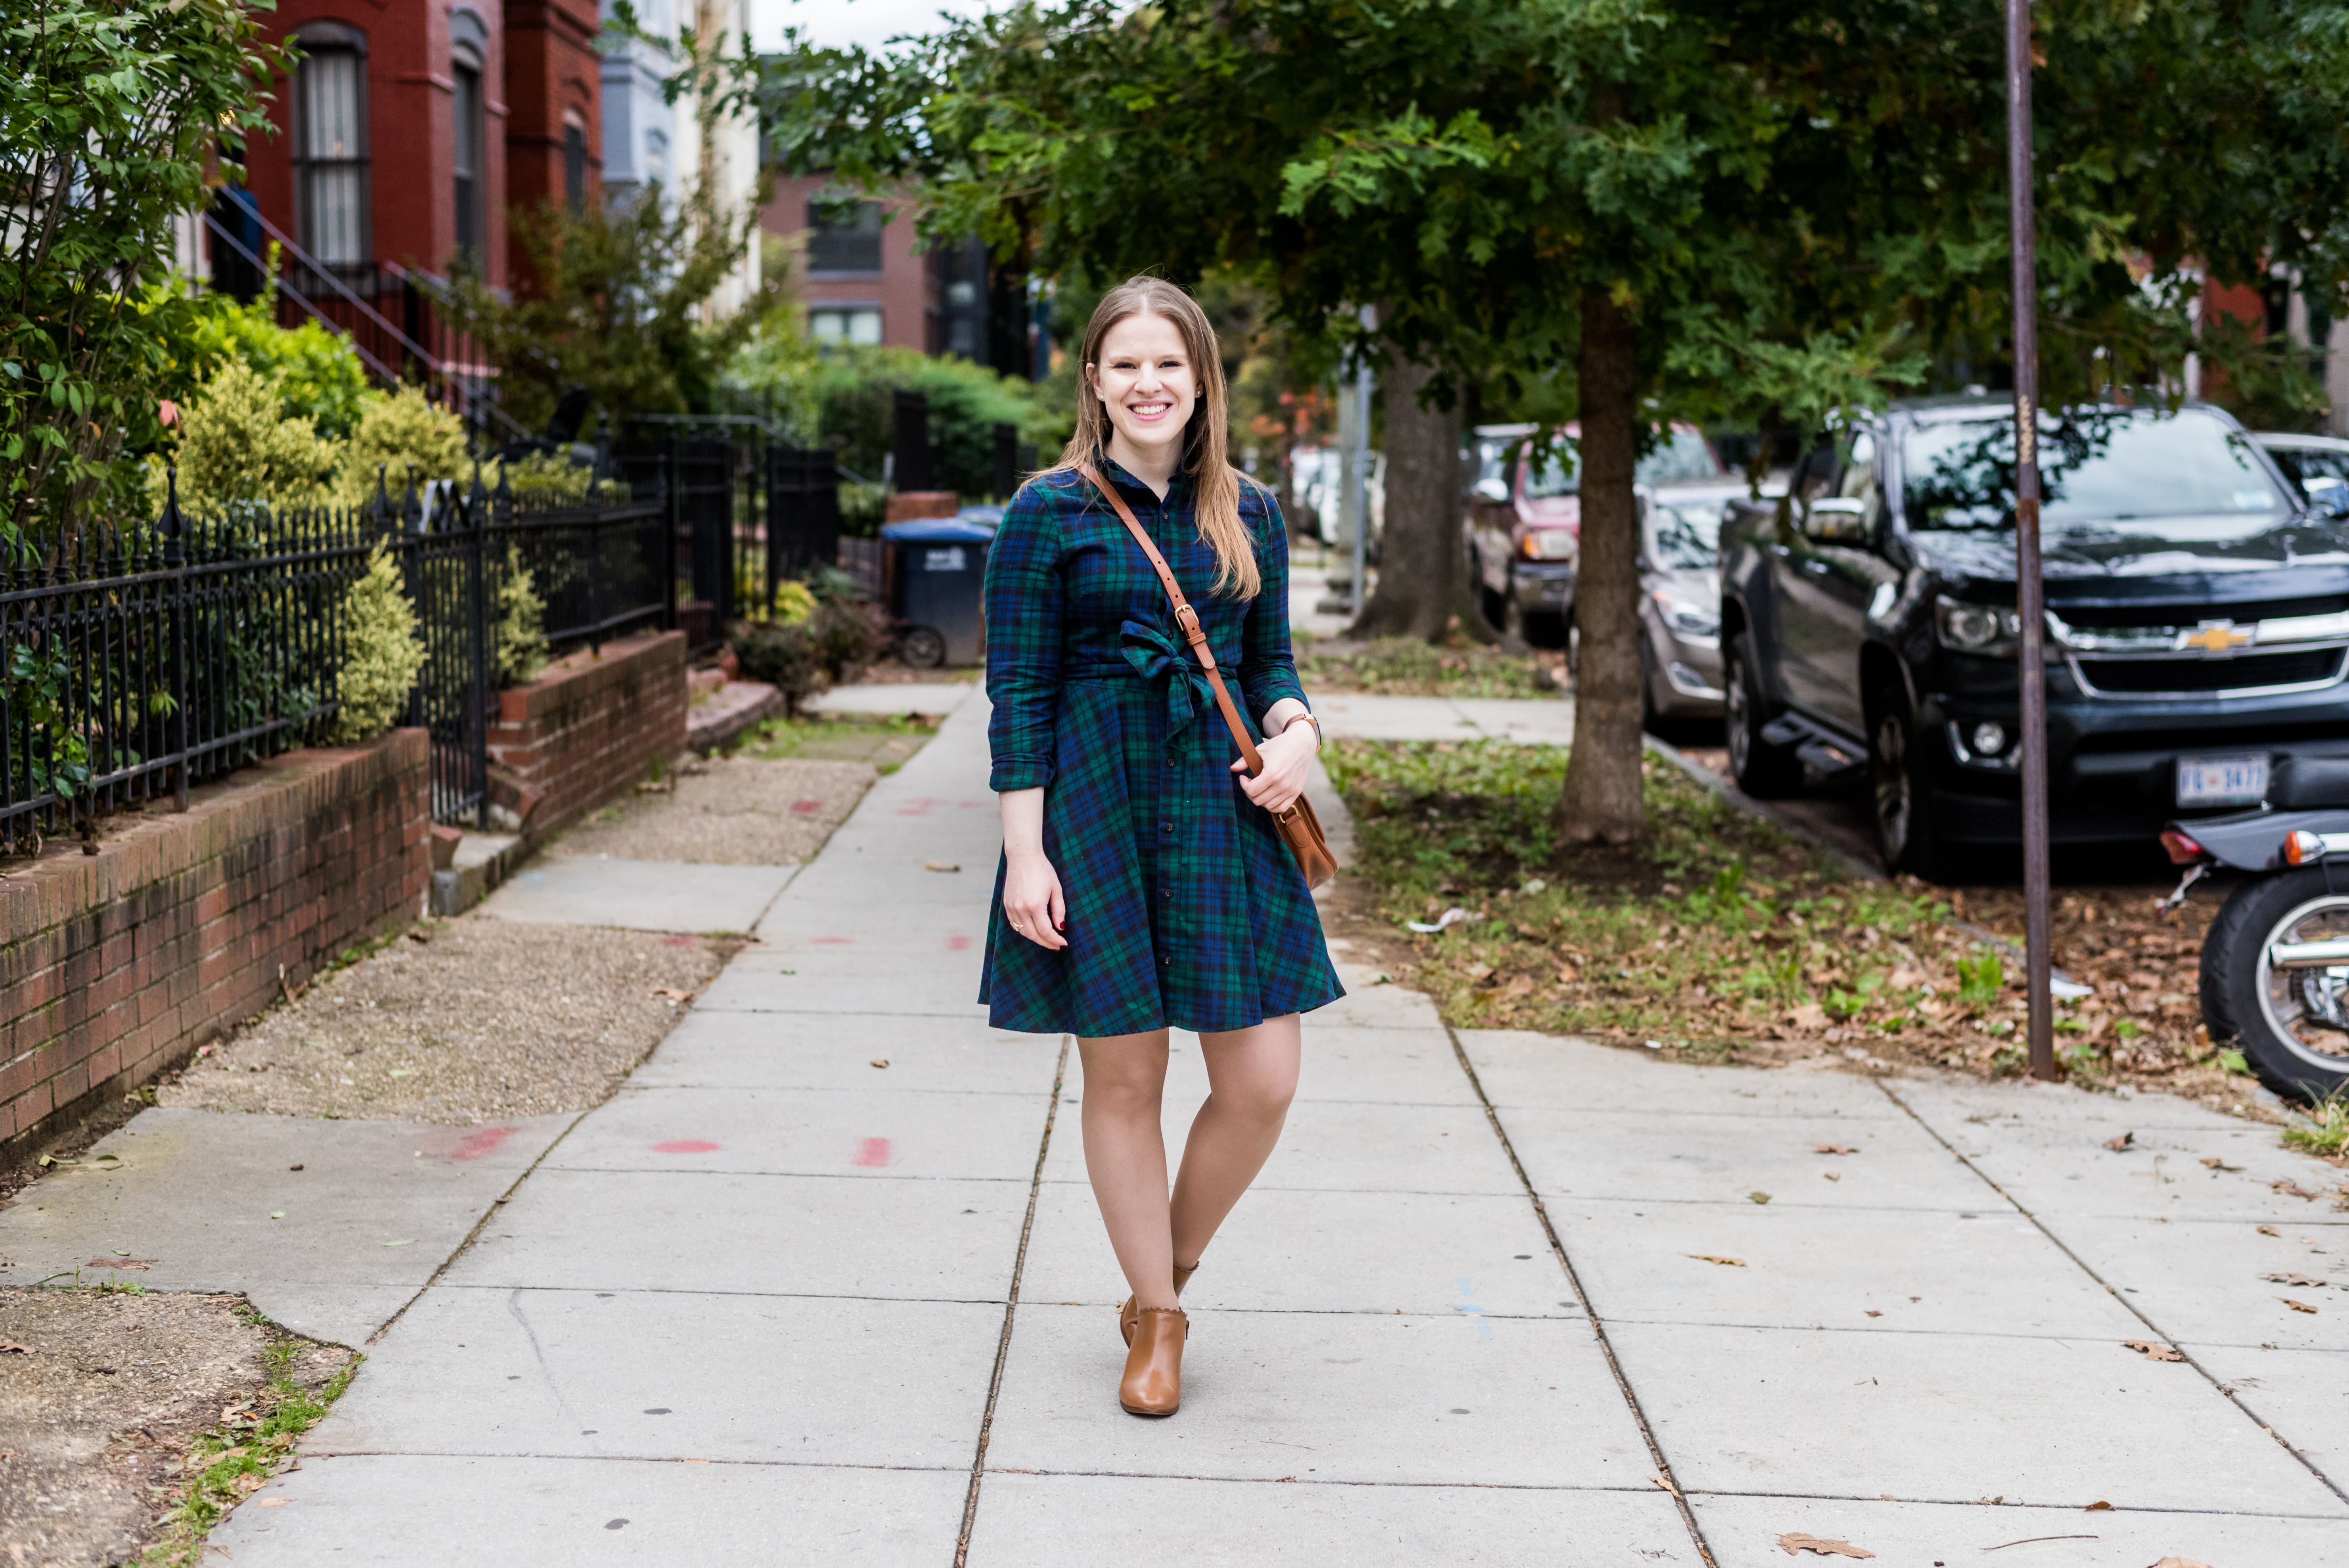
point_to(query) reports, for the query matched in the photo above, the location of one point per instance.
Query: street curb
(1753, 807)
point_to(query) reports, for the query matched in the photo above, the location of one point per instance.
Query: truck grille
(2144, 678)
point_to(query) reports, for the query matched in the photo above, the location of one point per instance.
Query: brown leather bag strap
(1185, 617)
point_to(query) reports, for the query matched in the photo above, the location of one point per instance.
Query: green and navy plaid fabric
(1185, 910)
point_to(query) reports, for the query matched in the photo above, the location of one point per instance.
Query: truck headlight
(1989, 630)
(1546, 544)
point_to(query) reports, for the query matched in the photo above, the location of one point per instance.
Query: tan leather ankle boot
(1153, 1384)
(1125, 1312)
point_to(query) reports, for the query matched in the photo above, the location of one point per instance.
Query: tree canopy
(109, 116)
(1705, 207)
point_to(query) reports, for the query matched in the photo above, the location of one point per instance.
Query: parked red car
(1525, 520)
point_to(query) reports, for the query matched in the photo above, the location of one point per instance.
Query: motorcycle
(2275, 962)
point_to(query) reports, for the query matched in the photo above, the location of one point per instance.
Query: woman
(1143, 885)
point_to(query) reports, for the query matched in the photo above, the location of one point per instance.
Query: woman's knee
(1124, 1077)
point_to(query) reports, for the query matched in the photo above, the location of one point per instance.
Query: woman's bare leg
(1251, 1079)
(1125, 1157)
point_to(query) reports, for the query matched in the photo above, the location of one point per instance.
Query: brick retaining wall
(115, 965)
(587, 728)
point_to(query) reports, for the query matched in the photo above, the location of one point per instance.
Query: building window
(657, 157)
(330, 149)
(843, 237)
(575, 163)
(466, 106)
(859, 324)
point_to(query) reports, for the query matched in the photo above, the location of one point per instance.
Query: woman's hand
(1287, 761)
(1032, 901)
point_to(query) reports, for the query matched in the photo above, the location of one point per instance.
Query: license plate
(2222, 781)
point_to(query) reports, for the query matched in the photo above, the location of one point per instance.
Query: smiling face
(1146, 382)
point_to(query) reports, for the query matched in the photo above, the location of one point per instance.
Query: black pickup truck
(2197, 623)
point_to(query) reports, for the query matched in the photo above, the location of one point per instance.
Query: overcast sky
(837, 23)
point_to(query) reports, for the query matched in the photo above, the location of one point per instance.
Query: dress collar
(1177, 488)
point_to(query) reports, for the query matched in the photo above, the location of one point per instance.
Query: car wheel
(2290, 1024)
(1761, 769)
(921, 648)
(1900, 796)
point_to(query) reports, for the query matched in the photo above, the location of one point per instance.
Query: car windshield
(2097, 467)
(1682, 456)
(1686, 536)
(1556, 473)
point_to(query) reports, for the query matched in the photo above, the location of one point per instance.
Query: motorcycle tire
(2291, 1025)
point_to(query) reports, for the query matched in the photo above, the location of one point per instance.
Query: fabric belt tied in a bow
(1157, 655)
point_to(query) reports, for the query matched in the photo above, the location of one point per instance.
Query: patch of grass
(885, 740)
(1406, 667)
(1719, 930)
(236, 1459)
(2326, 1131)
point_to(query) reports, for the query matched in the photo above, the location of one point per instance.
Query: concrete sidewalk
(779, 1301)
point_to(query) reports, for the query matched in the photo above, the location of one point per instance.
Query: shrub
(236, 444)
(399, 433)
(551, 476)
(784, 658)
(847, 634)
(314, 374)
(520, 621)
(794, 603)
(382, 654)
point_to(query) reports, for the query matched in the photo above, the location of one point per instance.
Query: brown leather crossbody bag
(1300, 830)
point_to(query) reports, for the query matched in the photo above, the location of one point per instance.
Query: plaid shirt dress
(1184, 908)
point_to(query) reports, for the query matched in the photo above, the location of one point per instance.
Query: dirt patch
(460, 1022)
(106, 1399)
(729, 810)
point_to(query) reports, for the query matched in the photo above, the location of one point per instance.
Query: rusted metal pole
(2030, 606)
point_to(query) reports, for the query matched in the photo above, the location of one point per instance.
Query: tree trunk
(1601, 802)
(1421, 548)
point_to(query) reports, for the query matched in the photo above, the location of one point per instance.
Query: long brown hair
(1206, 438)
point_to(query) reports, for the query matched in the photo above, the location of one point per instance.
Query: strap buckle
(1188, 619)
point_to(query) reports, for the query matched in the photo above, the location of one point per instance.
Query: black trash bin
(937, 570)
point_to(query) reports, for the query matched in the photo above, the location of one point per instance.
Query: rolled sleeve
(1268, 658)
(1026, 605)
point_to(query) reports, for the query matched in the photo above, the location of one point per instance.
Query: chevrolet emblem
(2215, 638)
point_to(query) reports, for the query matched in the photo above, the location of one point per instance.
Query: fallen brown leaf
(2097, 1508)
(2291, 1189)
(2123, 1142)
(1809, 1015)
(1757, 1197)
(2153, 1351)
(271, 1502)
(940, 866)
(1873, 1312)
(1796, 1540)
(880, 1062)
(2269, 1230)
(671, 993)
(1709, 1258)
(10, 1348)
(1832, 1175)
(2303, 1281)
(2180, 1562)
(2215, 1163)
(2295, 1305)
(1836, 1148)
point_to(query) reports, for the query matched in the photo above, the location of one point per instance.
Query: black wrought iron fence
(144, 660)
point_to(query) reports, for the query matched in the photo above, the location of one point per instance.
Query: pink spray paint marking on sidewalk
(485, 1142)
(873, 1152)
(685, 1146)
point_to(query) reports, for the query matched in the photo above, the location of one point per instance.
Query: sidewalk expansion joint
(1647, 1490)
(1574, 1283)
(1010, 1311)
(2225, 1389)
(2012, 1503)
(497, 1205)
